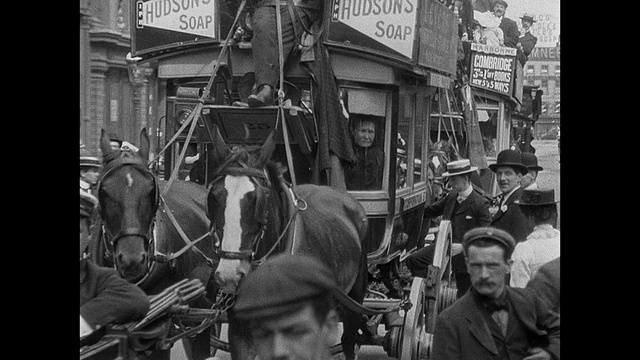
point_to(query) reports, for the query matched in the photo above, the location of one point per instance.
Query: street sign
(492, 68)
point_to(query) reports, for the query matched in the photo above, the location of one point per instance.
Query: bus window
(488, 121)
(403, 140)
(367, 135)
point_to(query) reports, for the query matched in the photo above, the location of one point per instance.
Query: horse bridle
(112, 166)
(261, 179)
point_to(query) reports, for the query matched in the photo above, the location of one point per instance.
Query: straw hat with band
(459, 167)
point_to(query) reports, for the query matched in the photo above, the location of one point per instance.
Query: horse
(138, 235)
(255, 214)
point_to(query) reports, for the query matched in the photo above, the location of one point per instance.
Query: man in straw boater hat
(493, 320)
(509, 171)
(543, 244)
(526, 41)
(285, 309)
(466, 209)
(105, 297)
(528, 181)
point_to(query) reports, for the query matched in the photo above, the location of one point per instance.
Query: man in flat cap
(494, 320)
(543, 244)
(509, 171)
(508, 26)
(285, 309)
(466, 209)
(105, 297)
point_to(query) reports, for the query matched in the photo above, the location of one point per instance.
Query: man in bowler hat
(509, 170)
(285, 309)
(528, 181)
(494, 320)
(466, 209)
(543, 244)
(105, 297)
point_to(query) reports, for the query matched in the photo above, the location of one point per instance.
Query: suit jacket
(512, 220)
(511, 32)
(546, 284)
(471, 213)
(528, 42)
(462, 323)
(107, 298)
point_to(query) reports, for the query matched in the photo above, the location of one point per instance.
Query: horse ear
(105, 144)
(144, 144)
(220, 150)
(266, 151)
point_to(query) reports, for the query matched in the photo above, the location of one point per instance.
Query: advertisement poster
(492, 68)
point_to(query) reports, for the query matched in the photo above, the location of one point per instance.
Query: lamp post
(138, 77)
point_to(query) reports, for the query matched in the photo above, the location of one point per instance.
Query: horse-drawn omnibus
(396, 66)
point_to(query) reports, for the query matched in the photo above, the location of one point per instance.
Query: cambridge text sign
(493, 68)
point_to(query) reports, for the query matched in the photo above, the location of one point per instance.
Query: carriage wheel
(429, 296)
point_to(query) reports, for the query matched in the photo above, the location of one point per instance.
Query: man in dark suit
(526, 42)
(466, 209)
(546, 284)
(493, 320)
(509, 171)
(508, 26)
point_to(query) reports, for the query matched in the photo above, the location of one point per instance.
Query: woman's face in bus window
(365, 133)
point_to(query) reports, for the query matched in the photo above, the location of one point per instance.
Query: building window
(544, 84)
(558, 84)
(557, 69)
(530, 69)
(544, 70)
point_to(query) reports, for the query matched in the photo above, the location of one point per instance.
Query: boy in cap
(89, 173)
(509, 170)
(543, 244)
(285, 309)
(105, 297)
(494, 320)
(528, 181)
(466, 209)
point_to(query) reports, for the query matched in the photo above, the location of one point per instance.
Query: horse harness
(110, 240)
(261, 212)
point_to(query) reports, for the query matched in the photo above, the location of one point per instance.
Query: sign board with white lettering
(162, 24)
(493, 68)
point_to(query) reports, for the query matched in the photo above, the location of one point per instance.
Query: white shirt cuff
(85, 328)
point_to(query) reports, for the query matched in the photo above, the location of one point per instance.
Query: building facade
(115, 94)
(543, 69)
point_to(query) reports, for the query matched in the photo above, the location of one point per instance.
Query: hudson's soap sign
(493, 67)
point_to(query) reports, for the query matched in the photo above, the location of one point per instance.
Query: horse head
(238, 203)
(128, 195)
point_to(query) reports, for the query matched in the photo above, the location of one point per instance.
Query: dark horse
(137, 233)
(250, 207)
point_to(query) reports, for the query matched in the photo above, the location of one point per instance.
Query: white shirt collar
(465, 194)
(532, 186)
(505, 197)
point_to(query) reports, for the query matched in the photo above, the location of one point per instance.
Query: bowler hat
(487, 232)
(530, 161)
(459, 167)
(536, 197)
(510, 158)
(90, 161)
(528, 17)
(281, 283)
(88, 203)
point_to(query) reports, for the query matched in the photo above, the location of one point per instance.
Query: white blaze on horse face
(237, 187)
